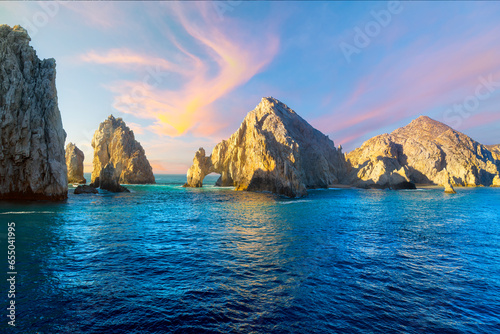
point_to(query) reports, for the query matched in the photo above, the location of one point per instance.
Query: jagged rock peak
(74, 163)
(32, 159)
(273, 150)
(16, 34)
(115, 122)
(423, 127)
(114, 142)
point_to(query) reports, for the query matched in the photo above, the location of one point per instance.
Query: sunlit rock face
(273, 150)
(74, 163)
(425, 151)
(115, 143)
(32, 161)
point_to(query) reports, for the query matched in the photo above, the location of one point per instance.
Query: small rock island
(74, 163)
(118, 157)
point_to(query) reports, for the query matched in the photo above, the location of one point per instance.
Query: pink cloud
(480, 119)
(137, 128)
(229, 57)
(129, 59)
(413, 82)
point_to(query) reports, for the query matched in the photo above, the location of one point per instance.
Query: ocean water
(165, 259)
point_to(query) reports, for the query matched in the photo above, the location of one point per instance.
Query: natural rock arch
(273, 150)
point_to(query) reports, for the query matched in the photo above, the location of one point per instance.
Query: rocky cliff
(32, 162)
(115, 143)
(74, 163)
(425, 151)
(273, 150)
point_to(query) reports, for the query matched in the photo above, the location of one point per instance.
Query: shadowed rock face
(115, 143)
(424, 151)
(495, 151)
(84, 189)
(273, 150)
(32, 161)
(109, 180)
(74, 163)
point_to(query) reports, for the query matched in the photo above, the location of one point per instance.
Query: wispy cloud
(216, 59)
(129, 60)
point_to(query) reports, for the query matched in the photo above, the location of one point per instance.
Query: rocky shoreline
(274, 150)
(267, 154)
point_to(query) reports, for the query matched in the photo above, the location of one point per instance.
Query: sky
(183, 75)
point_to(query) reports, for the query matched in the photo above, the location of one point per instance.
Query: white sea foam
(297, 201)
(24, 212)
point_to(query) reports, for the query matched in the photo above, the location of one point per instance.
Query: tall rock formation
(115, 143)
(32, 162)
(273, 150)
(74, 163)
(425, 151)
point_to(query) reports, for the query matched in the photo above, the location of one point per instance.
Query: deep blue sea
(166, 259)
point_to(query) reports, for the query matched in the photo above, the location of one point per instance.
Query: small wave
(24, 212)
(413, 190)
(297, 201)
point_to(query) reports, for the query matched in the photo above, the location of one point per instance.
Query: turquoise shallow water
(165, 259)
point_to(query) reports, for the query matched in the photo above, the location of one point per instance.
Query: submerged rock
(74, 163)
(425, 151)
(273, 150)
(84, 189)
(32, 161)
(115, 143)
